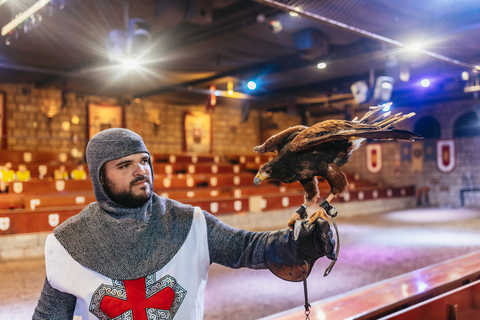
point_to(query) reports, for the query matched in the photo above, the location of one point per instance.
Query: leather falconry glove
(292, 260)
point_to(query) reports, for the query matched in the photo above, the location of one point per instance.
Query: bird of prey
(320, 150)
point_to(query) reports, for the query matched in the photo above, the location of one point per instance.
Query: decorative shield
(374, 158)
(27, 157)
(213, 181)
(167, 182)
(60, 185)
(446, 155)
(17, 187)
(53, 219)
(237, 205)
(214, 207)
(4, 223)
(236, 180)
(34, 203)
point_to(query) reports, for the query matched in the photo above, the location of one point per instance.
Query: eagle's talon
(320, 213)
(291, 221)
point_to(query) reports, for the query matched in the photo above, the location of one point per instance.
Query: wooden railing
(435, 292)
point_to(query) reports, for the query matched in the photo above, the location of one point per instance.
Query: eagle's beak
(259, 178)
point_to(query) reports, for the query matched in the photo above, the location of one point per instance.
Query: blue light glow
(425, 83)
(251, 85)
(386, 107)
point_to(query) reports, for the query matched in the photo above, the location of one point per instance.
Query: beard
(127, 198)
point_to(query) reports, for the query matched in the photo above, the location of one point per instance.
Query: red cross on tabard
(136, 300)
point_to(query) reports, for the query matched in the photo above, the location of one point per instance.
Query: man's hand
(291, 259)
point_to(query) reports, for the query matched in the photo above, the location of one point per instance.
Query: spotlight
(321, 65)
(359, 91)
(276, 26)
(130, 64)
(383, 88)
(425, 83)
(386, 106)
(251, 85)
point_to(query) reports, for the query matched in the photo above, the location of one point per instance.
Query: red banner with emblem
(446, 155)
(374, 158)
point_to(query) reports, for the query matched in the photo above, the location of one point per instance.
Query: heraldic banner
(374, 157)
(446, 155)
(198, 132)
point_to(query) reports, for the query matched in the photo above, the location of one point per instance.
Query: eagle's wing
(272, 143)
(334, 130)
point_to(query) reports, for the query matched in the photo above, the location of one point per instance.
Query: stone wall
(38, 119)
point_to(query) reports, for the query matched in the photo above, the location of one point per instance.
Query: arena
(146, 146)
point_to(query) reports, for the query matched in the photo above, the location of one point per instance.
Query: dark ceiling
(194, 44)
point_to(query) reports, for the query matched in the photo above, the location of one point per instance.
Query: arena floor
(373, 248)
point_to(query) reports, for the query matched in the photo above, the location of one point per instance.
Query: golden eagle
(320, 150)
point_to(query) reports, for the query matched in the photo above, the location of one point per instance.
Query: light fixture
(425, 83)
(230, 88)
(383, 88)
(276, 26)
(360, 91)
(321, 65)
(251, 85)
(130, 64)
(465, 76)
(20, 18)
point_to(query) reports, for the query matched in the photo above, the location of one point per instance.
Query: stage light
(230, 88)
(465, 76)
(425, 83)
(276, 26)
(321, 65)
(383, 88)
(360, 91)
(386, 106)
(251, 85)
(130, 64)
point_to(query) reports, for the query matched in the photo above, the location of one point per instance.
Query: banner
(198, 132)
(406, 152)
(429, 151)
(417, 156)
(374, 158)
(446, 155)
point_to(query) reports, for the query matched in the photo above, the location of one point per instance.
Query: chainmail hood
(118, 242)
(107, 145)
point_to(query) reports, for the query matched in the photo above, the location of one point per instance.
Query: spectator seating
(218, 184)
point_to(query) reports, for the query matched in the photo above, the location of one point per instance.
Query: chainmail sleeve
(233, 247)
(54, 304)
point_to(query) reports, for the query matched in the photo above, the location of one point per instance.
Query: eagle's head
(264, 173)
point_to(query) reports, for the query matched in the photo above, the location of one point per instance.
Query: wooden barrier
(392, 295)
(461, 303)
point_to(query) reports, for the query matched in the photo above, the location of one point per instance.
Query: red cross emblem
(139, 298)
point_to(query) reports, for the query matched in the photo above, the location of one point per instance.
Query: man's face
(128, 180)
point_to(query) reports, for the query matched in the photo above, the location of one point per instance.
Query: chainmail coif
(118, 242)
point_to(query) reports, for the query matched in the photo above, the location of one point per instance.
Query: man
(136, 255)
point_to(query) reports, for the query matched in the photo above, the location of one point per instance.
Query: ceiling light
(295, 11)
(425, 83)
(130, 64)
(20, 18)
(465, 76)
(321, 65)
(251, 85)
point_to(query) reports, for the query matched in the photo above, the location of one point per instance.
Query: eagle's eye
(269, 172)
